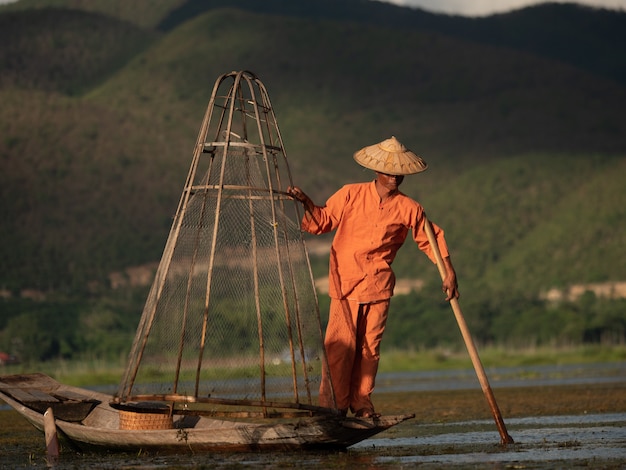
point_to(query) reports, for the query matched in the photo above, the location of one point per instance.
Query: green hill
(64, 51)
(102, 102)
(588, 38)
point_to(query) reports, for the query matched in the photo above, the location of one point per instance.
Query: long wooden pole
(469, 342)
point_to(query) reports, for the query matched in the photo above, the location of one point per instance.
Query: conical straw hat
(390, 157)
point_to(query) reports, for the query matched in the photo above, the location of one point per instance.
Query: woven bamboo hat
(390, 157)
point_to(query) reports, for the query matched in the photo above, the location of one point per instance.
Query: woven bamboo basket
(144, 421)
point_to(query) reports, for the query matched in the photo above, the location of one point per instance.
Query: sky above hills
(488, 7)
(481, 7)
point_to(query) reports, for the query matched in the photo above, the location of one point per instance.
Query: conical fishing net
(232, 315)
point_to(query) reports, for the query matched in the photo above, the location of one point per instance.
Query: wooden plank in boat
(25, 396)
(71, 395)
(18, 394)
(41, 396)
(66, 410)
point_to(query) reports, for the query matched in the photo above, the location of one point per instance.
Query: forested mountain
(520, 117)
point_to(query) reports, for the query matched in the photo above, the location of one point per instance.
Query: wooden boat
(86, 420)
(228, 354)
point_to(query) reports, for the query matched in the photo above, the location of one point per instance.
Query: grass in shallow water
(98, 372)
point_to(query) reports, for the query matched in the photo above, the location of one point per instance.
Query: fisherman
(371, 221)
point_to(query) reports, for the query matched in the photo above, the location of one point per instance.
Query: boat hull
(100, 429)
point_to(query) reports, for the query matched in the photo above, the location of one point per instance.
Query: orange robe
(368, 235)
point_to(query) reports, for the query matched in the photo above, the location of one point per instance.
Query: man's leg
(370, 328)
(340, 347)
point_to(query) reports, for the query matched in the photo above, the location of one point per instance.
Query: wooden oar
(469, 342)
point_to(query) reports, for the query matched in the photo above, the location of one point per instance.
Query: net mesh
(232, 312)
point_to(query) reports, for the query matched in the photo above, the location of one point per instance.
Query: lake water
(582, 441)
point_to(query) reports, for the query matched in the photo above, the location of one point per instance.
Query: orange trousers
(352, 344)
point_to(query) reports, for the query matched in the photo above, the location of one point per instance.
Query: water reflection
(595, 441)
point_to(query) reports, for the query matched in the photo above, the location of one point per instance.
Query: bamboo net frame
(234, 258)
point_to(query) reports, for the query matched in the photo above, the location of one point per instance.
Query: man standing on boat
(371, 221)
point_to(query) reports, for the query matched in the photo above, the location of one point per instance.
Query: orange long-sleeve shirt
(368, 235)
